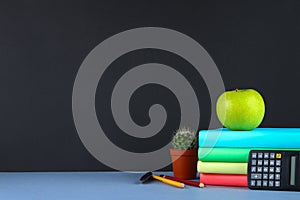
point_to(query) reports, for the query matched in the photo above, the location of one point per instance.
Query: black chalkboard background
(255, 44)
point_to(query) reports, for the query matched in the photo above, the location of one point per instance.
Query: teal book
(258, 138)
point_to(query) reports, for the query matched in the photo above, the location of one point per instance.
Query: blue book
(259, 137)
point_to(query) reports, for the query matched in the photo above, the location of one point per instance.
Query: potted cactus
(184, 154)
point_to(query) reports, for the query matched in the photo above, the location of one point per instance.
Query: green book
(222, 167)
(230, 154)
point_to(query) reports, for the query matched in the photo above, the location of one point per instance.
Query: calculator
(274, 170)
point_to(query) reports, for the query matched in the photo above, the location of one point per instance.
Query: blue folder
(259, 137)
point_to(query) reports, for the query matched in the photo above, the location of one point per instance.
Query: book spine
(222, 167)
(231, 154)
(249, 139)
(223, 154)
(224, 179)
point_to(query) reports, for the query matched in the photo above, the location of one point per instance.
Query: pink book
(239, 180)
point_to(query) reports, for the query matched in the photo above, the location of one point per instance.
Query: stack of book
(223, 154)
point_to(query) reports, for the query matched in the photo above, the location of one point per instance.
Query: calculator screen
(293, 170)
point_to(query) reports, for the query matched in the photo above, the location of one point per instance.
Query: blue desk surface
(115, 185)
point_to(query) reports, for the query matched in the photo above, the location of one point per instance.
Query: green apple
(241, 109)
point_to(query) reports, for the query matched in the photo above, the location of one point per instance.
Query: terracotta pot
(184, 163)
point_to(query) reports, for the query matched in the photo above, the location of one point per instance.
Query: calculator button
(253, 162)
(265, 176)
(253, 183)
(259, 169)
(266, 155)
(277, 183)
(254, 155)
(260, 155)
(278, 162)
(277, 169)
(272, 155)
(271, 183)
(253, 169)
(265, 183)
(277, 176)
(255, 176)
(259, 162)
(271, 169)
(278, 155)
(266, 162)
(271, 176)
(266, 169)
(272, 162)
(258, 183)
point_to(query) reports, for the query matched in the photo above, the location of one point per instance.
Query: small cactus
(184, 139)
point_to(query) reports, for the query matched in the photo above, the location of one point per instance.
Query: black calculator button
(259, 162)
(266, 162)
(258, 183)
(272, 155)
(271, 176)
(271, 170)
(277, 183)
(265, 183)
(255, 176)
(259, 169)
(253, 162)
(277, 176)
(265, 176)
(278, 170)
(272, 162)
(266, 155)
(253, 169)
(278, 162)
(254, 155)
(271, 183)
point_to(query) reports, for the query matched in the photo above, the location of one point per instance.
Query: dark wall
(255, 44)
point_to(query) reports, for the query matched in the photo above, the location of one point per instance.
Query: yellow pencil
(168, 181)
